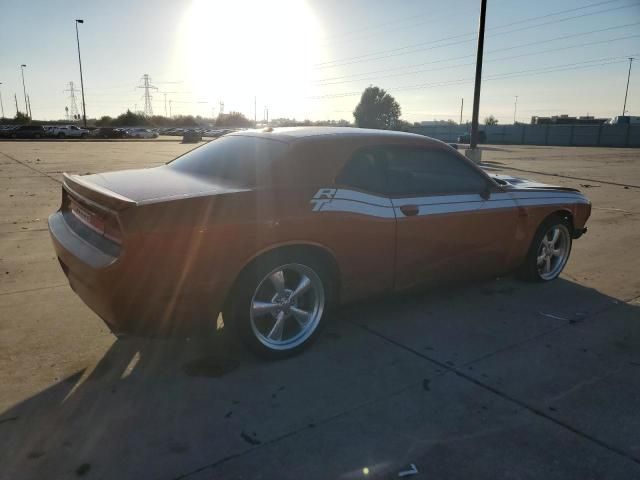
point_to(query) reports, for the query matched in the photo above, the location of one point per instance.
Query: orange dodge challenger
(274, 227)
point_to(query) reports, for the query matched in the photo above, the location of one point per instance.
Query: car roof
(298, 134)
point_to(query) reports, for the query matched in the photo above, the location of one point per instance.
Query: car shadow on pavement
(162, 408)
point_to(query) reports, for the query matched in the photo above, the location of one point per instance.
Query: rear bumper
(131, 293)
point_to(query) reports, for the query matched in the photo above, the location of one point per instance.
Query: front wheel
(278, 306)
(549, 251)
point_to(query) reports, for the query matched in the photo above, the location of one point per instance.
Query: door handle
(410, 210)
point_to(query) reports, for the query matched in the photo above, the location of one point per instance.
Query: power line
(402, 50)
(535, 71)
(368, 31)
(490, 60)
(512, 47)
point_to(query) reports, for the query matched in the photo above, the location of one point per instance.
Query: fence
(561, 135)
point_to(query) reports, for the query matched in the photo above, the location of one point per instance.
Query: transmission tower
(73, 109)
(146, 84)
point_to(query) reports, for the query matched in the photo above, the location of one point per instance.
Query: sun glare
(235, 50)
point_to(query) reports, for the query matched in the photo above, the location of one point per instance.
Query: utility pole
(29, 106)
(84, 111)
(24, 89)
(165, 104)
(15, 97)
(255, 111)
(515, 109)
(1, 105)
(170, 114)
(476, 90)
(624, 107)
(461, 108)
(148, 109)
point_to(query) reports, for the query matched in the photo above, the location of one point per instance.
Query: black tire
(530, 269)
(237, 315)
(84, 135)
(61, 135)
(37, 136)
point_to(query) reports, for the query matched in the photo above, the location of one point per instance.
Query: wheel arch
(564, 213)
(316, 250)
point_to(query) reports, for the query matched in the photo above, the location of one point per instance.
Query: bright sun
(233, 50)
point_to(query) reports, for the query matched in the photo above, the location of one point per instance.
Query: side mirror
(485, 194)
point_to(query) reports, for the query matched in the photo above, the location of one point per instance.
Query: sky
(311, 59)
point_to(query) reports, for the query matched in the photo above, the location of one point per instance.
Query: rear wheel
(549, 251)
(278, 304)
(61, 135)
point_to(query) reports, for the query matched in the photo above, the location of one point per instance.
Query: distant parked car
(27, 131)
(70, 131)
(191, 136)
(141, 133)
(107, 132)
(5, 130)
(466, 137)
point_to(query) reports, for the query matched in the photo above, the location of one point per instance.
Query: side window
(365, 171)
(423, 171)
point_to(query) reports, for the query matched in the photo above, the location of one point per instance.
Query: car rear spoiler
(75, 185)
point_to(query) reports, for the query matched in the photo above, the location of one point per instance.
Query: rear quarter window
(239, 159)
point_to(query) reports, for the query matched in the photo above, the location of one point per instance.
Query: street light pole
(24, 90)
(515, 110)
(624, 107)
(84, 111)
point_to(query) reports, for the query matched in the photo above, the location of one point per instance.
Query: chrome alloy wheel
(287, 306)
(553, 252)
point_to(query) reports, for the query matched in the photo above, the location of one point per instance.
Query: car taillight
(112, 230)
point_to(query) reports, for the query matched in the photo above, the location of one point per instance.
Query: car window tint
(246, 160)
(364, 170)
(411, 171)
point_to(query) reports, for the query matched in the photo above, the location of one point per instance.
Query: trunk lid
(151, 185)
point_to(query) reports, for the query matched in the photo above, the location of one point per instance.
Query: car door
(364, 224)
(452, 220)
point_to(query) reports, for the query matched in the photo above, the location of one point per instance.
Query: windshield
(244, 160)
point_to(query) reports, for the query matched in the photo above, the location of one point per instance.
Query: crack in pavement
(24, 164)
(506, 396)
(35, 289)
(505, 167)
(447, 369)
(297, 431)
(569, 323)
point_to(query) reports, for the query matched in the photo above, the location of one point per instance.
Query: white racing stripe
(351, 206)
(351, 201)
